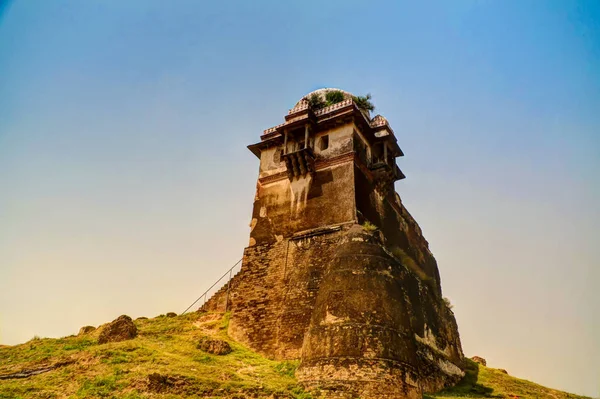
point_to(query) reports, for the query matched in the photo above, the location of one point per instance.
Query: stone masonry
(337, 272)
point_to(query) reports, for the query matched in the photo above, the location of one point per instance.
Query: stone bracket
(299, 163)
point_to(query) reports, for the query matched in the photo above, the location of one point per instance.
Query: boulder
(503, 371)
(171, 314)
(118, 330)
(479, 360)
(86, 330)
(214, 346)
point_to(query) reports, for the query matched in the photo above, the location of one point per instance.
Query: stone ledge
(320, 230)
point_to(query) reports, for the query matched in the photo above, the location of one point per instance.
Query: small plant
(334, 97)
(448, 304)
(368, 226)
(315, 101)
(364, 102)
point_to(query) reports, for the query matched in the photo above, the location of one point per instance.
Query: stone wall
(399, 229)
(283, 208)
(272, 298)
(377, 329)
(360, 321)
(362, 309)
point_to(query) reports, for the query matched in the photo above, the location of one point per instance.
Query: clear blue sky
(126, 187)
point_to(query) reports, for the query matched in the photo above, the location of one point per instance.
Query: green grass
(368, 226)
(120, 370)
(485, 382)
(167, 346)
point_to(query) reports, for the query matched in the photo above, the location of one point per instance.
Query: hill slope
(163, 362)
(485, 382)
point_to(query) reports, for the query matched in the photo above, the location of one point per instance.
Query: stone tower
(337, 272)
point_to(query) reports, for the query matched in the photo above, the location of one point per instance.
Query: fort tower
(337, 272)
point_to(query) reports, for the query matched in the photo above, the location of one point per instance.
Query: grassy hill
(485, 382)
(163, 362)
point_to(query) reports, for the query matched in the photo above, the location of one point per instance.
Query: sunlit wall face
(126, 187)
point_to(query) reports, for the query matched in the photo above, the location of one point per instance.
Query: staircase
(220, 301)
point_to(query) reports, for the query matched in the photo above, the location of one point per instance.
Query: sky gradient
(126, 186)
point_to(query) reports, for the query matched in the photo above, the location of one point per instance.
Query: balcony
(386, 173)
(299, 163)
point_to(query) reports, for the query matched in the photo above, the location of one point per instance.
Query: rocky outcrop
(214, 346)
(120, 329)
(479, 360)
(26, 373)
(86, 330)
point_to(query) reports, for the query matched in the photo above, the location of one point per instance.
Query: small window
(324, 143)
(277, 156)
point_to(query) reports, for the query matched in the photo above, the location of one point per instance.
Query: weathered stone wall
(363, 310)
(400, 230)
(339, 143)
(342, 303)
(370, 329)
(284, 207)
(272, 297)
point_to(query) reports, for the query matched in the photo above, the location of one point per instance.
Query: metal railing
(205, 294)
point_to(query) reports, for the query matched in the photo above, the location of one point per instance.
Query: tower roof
(328, 112)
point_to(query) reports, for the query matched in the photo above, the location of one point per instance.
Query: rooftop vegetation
(364, 102)
(316, 102)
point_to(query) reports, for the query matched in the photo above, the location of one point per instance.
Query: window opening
(324, 144)
(277, 156)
